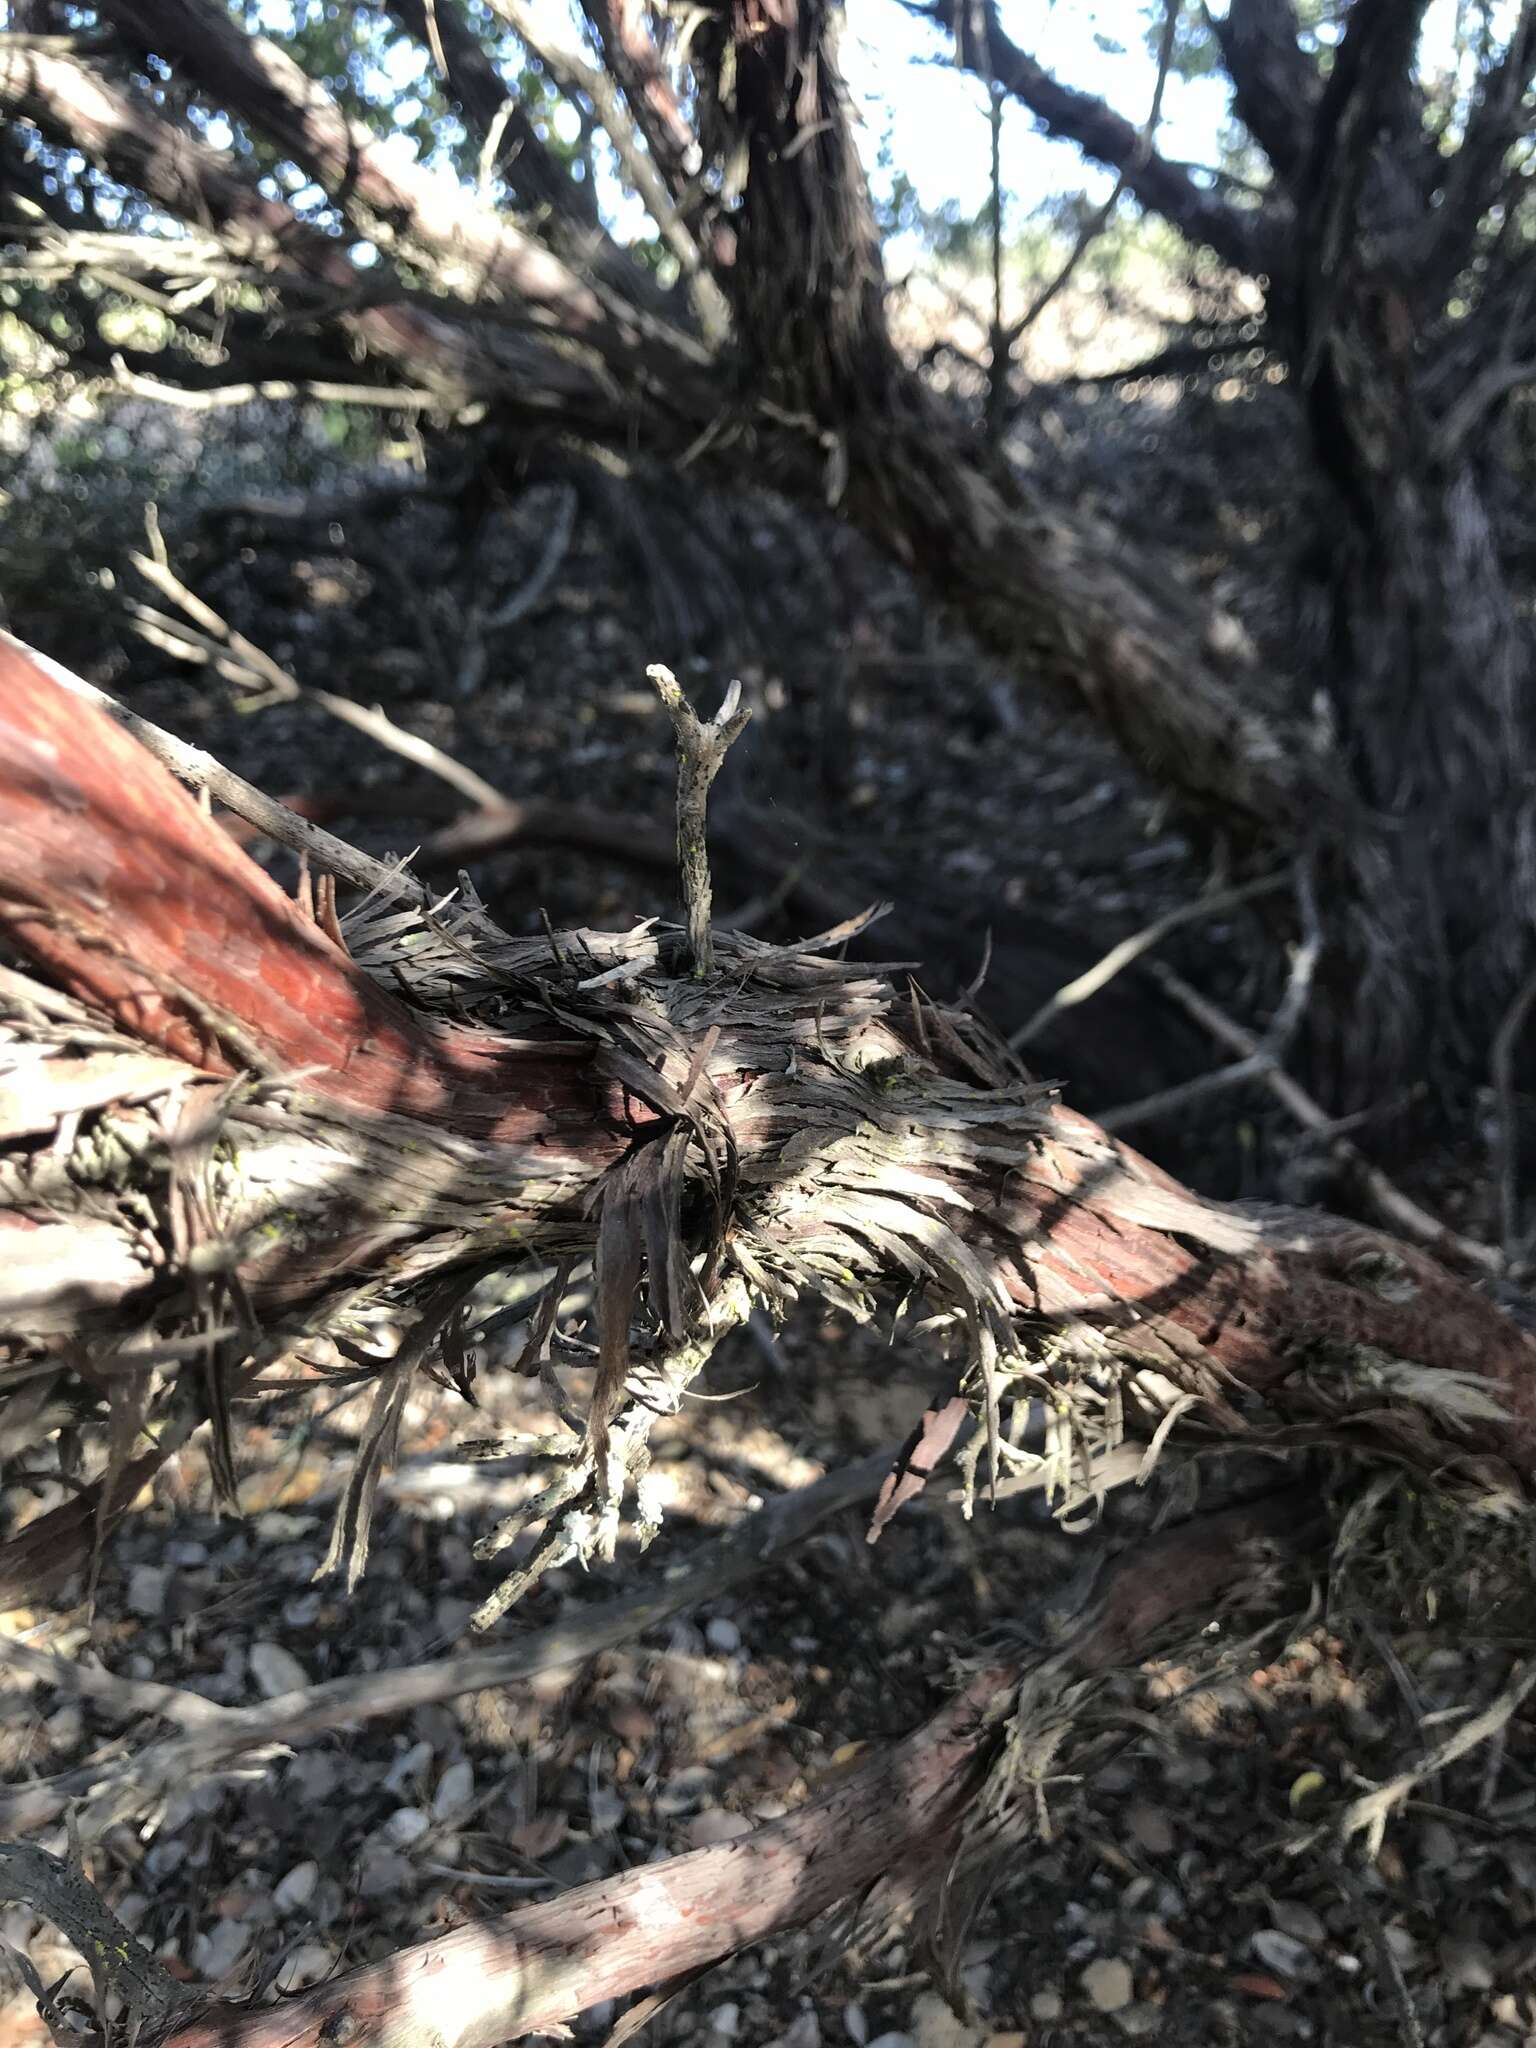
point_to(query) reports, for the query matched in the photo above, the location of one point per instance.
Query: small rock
(276, 1670)
(935, 2025)
(411, 1763)
(1282, 1953)
(277, 1526)
(1299, 1921)
(1152, 1829)
(310, 1963)
(1468, 1964)
(1045, 2005)
(313, 1777)
(407, 1824)
(383, 1870)
(805, 2033)
(893, 2041)
(167, 1856)
(1438, 1847)
(455, 1790)
(605, 1808)
(725, 2020)
(723, 1635)
(146, 1590)
(1108, 1983)
(216, 1953)
(297, 1888)
(856, 2024)
(1139, 2020)
(714, 1825)
(1403, 1946)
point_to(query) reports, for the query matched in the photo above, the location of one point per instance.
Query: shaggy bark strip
(787, 1124)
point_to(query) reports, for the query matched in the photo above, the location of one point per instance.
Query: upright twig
(701, 747)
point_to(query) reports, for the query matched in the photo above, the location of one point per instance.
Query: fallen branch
(114, 1791)
(532, 1969)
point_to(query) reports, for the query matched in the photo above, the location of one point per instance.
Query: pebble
(1152, 1828)
(276, 1670)
(726, 2020)
(723, 1635)
(893, 2041)
(455, 1790)
(407, 1824)
(936, 2025)
(308, 1964)
(146, 1590)
(216, 1953)
(1468, 1964)
(856, 2024)
(1282, 1953)
(1298, 1920)
(714, 1825)
(1046, 2005)
(1108, 1983)
(805, 2033)
(297, 1888)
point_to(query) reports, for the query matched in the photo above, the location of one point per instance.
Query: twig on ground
(520, 602)
(211, 640)
(116, 1790)
(1121, 956)
(701, 747)
(1399, 1208)
(1267, 1052)
(1369, 1814)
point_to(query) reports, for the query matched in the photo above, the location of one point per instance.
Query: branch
(576, 74)
(402, 207)
(115, 1791)
(701, 748)
(1498, 120)
(532, 1969)
(631, 56)
(1246, 240)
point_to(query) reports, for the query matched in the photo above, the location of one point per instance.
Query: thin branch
(250, 667)
(1128, 950)
(1507, 1147)
(578, 75)
(113, 1792)
(1399, 1208)
(1096, 223)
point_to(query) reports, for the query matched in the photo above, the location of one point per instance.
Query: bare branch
(1243, 239)
(577, 74)
(701, 747)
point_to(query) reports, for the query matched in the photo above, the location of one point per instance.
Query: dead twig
(701, 747)
(210, 640)
(1128, 950)
(1398, 1208)
(113, 1791)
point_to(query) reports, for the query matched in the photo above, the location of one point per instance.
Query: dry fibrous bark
(319, 1132)
(229, 1128)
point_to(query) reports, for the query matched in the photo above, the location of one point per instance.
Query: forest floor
(1167, 1898)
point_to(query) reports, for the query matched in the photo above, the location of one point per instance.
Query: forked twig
(701, 747)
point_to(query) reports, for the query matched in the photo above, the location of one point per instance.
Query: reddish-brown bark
(112, 876)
